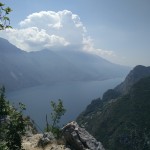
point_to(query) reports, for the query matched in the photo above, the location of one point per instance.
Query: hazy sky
(118, 30)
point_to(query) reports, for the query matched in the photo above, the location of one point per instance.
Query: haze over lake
(75, 95)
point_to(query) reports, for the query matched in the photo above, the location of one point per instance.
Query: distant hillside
(15, 70)
(121, 122)
(20, 69)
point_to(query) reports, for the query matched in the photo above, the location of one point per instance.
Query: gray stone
(47, 138)
(67, 149)
(79, 139)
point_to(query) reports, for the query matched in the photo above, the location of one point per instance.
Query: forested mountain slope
(121, 121)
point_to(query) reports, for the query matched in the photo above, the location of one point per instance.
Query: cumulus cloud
(49, 29)
(43, 19)
(33, 39)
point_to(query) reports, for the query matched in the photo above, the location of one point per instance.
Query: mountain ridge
(134, 76)
(22, 69)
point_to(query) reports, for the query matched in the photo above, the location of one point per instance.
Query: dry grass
(30, 143)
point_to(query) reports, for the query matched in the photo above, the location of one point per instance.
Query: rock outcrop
(73, 138)
(79, 139)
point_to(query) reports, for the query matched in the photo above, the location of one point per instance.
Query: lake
(75, 95)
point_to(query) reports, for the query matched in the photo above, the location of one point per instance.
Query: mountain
(135, 75)
(20, 69)
(94, 65)
(13, 71)
(121, 121)
(7, 48)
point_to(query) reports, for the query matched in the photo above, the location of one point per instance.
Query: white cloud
(49, 29)
(88, 46)
(43, 19)
(63, 23)
(33, 39)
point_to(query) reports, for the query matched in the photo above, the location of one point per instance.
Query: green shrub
(58, 111)
(12, 124)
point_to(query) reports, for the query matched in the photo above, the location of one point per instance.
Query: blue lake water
(75, 95)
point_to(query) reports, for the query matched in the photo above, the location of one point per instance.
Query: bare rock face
(79, 139)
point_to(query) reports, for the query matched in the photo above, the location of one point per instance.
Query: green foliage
(4, 111)
(12, 124)
(110, 94)
(58, 111)
(4, 19)
(124, 123)
(16, 128)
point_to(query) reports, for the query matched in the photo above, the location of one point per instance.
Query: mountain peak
(140, 69)
(134, 76)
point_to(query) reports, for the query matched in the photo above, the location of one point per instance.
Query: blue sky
(118, 30)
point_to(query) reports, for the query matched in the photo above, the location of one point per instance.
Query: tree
(4, 111)
(58, 111)
(16, 128)
(12, 124)
(4, 19)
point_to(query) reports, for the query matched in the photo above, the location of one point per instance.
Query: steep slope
(20, 69)
(15, 68)
(7, 48)
(135, 75)
(121, 122)
(93, 65)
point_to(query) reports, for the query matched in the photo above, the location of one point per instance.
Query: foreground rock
(31, 143)
(73, 138)
(79, 139)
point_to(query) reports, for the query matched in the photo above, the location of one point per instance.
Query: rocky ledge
(73, 138)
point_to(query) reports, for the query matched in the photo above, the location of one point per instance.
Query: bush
(58, 111)
(12, 124)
